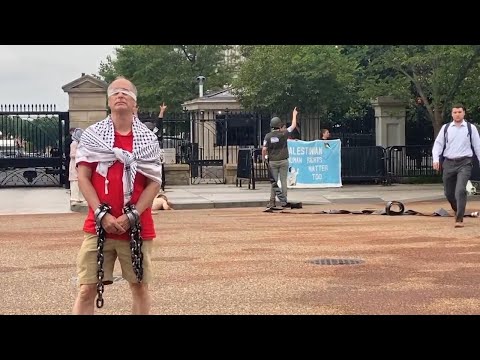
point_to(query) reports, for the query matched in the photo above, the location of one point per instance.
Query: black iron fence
(32, 146)
(207, 140)
(363, 163)
(409, 161)
(218, 135)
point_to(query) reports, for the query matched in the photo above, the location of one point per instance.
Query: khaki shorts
(87, 260)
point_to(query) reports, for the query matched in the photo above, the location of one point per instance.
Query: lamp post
(226, 131)
(191, 151)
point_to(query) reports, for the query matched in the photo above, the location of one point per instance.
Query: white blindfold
(123, 91)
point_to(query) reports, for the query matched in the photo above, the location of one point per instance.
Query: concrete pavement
(56, 200)
(221, 196)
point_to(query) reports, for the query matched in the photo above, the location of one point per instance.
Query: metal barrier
(409, 161)
(364, 163)
(251, 167)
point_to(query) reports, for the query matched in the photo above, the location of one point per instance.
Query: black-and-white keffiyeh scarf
(96, 145)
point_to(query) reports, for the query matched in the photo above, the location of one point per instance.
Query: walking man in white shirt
(456, 143)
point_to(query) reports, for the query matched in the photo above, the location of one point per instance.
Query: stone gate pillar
(389, 121)
(87, 99)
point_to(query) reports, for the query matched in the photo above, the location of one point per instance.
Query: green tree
(434, 76)
(317, 78)
(39, 132)
(167, 73)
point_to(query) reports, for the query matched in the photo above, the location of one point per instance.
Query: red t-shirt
(114, 198)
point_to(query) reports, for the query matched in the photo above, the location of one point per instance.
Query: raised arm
(163, 107)
(294, 120)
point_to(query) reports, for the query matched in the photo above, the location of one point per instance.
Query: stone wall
(177, 174)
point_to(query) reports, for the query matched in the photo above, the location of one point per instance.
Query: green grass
(423, 180)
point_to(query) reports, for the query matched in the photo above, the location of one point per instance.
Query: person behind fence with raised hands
(119, 174)
(275, 153)
(157, 126)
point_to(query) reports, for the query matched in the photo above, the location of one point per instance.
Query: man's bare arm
(86, 187)
(147, 196)
(109, 223)
(264, 152)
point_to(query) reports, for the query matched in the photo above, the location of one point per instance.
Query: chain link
(136, 250)
(100, 271)
(100, 212)
(136, 241)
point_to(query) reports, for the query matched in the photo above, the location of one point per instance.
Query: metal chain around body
(100, 212)
(136, 240)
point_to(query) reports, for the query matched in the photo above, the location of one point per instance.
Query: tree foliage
(317, 78)
(433, 76)
(167, 73)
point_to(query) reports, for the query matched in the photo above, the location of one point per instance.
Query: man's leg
(274, 168)
(283, 177)
(464, 171)
(85, 301)
(87, 273)
(141, 297)
(271, 202)
(449, 177)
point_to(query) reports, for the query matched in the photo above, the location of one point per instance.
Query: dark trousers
(456, 174)
(278, 169)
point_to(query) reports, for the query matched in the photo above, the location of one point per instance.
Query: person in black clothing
(275, 152)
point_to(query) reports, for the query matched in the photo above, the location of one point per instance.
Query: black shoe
(298, 205)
